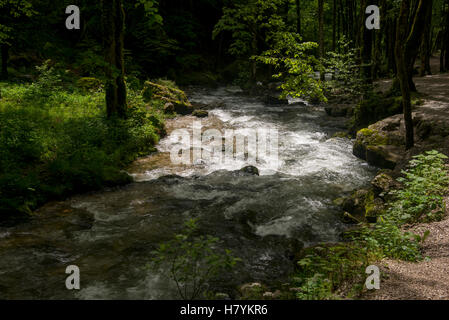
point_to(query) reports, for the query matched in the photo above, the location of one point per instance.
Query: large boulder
(380, 144)
(168, 93)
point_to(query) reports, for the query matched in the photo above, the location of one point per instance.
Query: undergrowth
(55, 140)
(338, 271)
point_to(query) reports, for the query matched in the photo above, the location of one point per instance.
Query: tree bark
(401, 38)
(334, 25)
(366, 48)
(5, 57)
(426, 43)
(113, 22)
(321, 31)
(298, 16)
(407, 40)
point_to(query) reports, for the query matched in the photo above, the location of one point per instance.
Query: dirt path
(428, 279)
(425, 280)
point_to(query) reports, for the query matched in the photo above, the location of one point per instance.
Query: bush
(56, 142)
(191, 261)
(425, 183)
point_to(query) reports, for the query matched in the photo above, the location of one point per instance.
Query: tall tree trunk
(426, 43)
(5, 57)
(298, 16)
(407, 44)
(446, 40)
(113, 22)
(415, 35)
(401, 38)
(321, 31)
(366, 48)
(334, 25)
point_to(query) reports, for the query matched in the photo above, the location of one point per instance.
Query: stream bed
(262, 218)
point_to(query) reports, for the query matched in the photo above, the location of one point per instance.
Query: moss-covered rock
(378, 146)
(383, 183)
(362, 206)
(169, 93)
(378, 107)
(199, 113)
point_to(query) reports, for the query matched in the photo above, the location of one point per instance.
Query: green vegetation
(337, 271)
(191, 261)
(425, 184)
(56, 140)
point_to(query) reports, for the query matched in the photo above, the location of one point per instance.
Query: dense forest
(91, 95)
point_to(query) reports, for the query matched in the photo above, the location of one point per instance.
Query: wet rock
(355, 204)
(169, 108)
(362, 206)
(373, 209)
(273, 99)
(200, 113)
(168, 93)
(378, 148)
(349, 218)
(247, 171)
(383, 183)
(383, 156)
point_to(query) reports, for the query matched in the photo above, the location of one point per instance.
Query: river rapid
(262, 218)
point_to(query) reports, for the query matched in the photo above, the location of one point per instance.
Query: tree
(426, 45)
(298, 16)
(253, 24)
(407, 38)
(11, 11)
(321, 31)
(113, 22)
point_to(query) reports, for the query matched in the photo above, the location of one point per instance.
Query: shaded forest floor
(428, 279)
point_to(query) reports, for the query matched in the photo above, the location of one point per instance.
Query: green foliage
(48, 81)
(248, 22)
(425, 183)
(11, 11)
(191, 261)
(323, 270)
(56, 140)
(294, 65)
(345, 70)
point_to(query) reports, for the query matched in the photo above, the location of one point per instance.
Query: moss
(371, 137)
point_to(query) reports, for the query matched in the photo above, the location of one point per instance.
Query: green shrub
(425, 183)
(55, 142)
(191, 261)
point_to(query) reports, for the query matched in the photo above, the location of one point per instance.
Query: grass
(55, 140)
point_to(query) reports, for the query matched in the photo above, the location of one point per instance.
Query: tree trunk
(401, 38)
(113, 22)
(298, 16)
(366, 49)
(321, 31)
(414, 39)
(334, 25)
(5, 57)
(446, 40)
(407, 40)
(426, 43)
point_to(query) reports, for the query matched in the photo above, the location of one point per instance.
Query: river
(262, 218)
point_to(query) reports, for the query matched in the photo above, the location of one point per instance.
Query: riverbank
(427, 279)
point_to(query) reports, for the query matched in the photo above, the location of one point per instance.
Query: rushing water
(110, 234)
